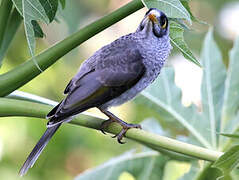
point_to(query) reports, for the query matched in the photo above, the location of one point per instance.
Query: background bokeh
(75, 149)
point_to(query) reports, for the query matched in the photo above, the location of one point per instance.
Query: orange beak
(153, 18)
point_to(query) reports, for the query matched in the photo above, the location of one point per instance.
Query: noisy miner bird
(113, 75)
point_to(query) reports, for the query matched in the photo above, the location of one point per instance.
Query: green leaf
(230, 135)
(37, 29)
(231, 95)
(172, 8)
(176, 37)
(18, 5)
(186, 5)
(166, 97)
(212, 89)
(12, 27)
(5, 12)
(142, 166)
(31, 11)
(228, 160)
(181, 23)
(63, 3)
(50, 8)
(193, 18)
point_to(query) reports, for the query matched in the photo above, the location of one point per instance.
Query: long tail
(31, 159)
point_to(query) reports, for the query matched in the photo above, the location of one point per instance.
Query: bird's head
(154, 21)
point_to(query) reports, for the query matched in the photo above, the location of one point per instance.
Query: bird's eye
(163, 22)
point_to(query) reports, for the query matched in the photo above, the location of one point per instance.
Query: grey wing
(111, 77)
(85, 68)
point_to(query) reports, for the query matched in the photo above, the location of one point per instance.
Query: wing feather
(109, 79)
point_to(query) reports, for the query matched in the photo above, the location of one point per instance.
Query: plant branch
(22, 74)
(12, 107)
(19, 95)
(5, 10)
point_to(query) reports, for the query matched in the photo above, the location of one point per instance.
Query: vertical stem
(5, 10)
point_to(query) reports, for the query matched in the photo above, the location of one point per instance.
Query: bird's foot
(113, 118)
(125, 128)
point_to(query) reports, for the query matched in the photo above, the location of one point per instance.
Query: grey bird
(113, 75)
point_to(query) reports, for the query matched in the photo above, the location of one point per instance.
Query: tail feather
(31, 159)
(53, 111)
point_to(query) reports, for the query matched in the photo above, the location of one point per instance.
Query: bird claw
(105, 124)
(121, 134)
(114, 136)
(126, 127)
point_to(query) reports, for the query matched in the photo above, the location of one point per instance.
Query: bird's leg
(113, 118)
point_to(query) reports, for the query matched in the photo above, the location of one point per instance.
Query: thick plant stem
(22, 74)
(5, 10)
(11, 107)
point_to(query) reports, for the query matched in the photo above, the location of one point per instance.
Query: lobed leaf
(185, 3)
(142, 166)
(50, 8)
(172, 8)
(230, 135)
(228, 160)
(11, 29)
(212, 89)
(63, 3)
(229, 116)
(33, 11)
(37, 29)
(166, 97)
(186, 6)
(176, 37)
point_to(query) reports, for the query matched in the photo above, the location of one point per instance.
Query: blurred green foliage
(75, 149)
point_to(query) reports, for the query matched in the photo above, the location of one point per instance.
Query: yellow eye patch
(164, 25)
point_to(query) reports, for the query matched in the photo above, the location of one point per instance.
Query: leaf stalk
(12, 107)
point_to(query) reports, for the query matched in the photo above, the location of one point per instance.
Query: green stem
(22, 74)
(172, 155)
(12, 27)
(12, 107)
(208, 172)
(5, 10)
(203, 173)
